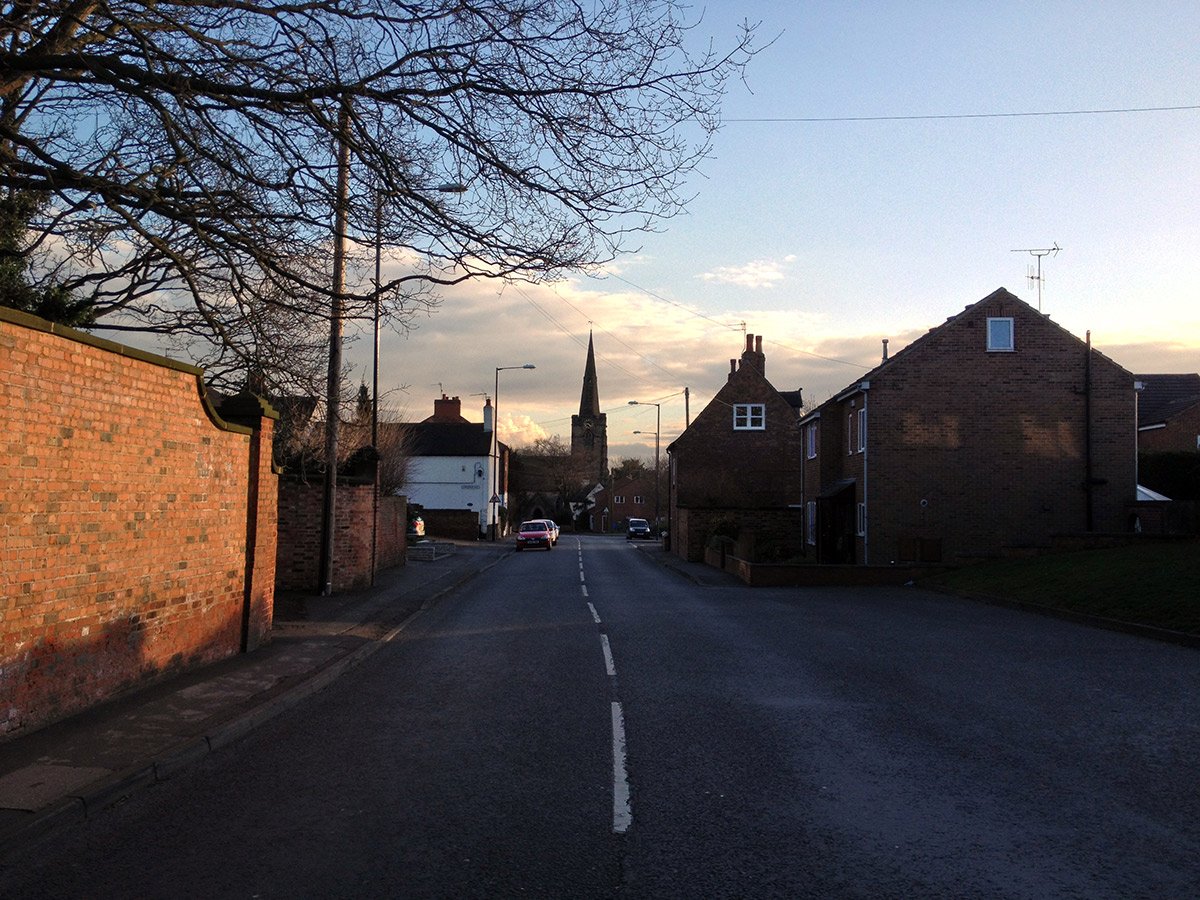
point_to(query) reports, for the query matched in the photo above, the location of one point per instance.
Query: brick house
(1168, 413)
(995, 430)
(629, 498)
(736, 470)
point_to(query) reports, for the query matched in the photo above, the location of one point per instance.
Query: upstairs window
(618, 498)
(1000, 335)
(810, 442)
(637, 500)
(749, 416)
(862, 430)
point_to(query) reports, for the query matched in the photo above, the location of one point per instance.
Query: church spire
(589, 401)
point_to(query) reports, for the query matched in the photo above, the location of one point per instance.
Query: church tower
(589, 429)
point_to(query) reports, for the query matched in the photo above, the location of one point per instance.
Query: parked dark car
(637, 529)
(534, 533)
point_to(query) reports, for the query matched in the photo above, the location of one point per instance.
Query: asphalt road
(584, 723)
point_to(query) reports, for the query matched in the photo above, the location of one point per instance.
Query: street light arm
(494, 500)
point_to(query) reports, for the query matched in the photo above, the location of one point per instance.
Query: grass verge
(1154, 583)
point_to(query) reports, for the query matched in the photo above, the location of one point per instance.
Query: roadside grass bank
(1153, 583)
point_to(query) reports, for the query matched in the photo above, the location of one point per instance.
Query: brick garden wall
(459, 524)
(757, 534)
(138, 530)
(297, 564)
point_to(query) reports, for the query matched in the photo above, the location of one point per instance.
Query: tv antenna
(1039, 252)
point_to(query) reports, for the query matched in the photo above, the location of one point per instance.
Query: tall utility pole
(375, 382)
(1039, 252)
(333, 386)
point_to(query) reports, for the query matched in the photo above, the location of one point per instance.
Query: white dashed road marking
(622, 803)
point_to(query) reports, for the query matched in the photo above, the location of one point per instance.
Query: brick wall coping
(34, 323)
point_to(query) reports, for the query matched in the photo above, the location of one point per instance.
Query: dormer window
(1000, 335)
(749, 416)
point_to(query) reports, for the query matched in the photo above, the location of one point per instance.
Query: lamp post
(495, 499)
(441, 189)
(657, 433)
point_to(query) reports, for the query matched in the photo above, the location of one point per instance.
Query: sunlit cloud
(759, 273)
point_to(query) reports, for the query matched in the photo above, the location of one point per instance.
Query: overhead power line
(1009, 115)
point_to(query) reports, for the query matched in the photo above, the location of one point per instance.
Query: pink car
(534, 534)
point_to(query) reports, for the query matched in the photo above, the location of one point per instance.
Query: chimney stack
(447, 409)
(753, 356)
(885, 357)
(487, 415)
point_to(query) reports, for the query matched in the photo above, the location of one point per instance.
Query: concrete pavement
(73, 769)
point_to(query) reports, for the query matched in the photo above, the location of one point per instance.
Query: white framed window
(850, 433)
(862, 520)
(618, 498)
(810, 441)
(810, 521)
(637, 499)
(1000, 335)
(862, 430)
(749, 416)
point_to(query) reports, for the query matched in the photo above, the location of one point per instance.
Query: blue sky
(826, 237)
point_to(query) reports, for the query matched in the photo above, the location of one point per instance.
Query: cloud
(1154, 357)
(759, 273)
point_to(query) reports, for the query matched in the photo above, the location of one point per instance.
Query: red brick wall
(138, 531)
(297, 565)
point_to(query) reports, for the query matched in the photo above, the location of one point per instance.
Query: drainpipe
(866, 442)
(1089, 485)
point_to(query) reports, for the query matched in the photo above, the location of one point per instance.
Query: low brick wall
(137, 525)
(460, 524)
(786, 575)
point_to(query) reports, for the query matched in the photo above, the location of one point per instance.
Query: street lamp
(495, 500)
(657, 433)
(454, 188)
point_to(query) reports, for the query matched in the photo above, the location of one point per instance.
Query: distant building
(589, 429)
(563, 488)
(453, 473)
(629, 498)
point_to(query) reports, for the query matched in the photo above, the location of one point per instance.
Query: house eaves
(858, 388)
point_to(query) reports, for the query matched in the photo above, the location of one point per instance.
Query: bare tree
(182, 156)
(548, 466)
(629, 468)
